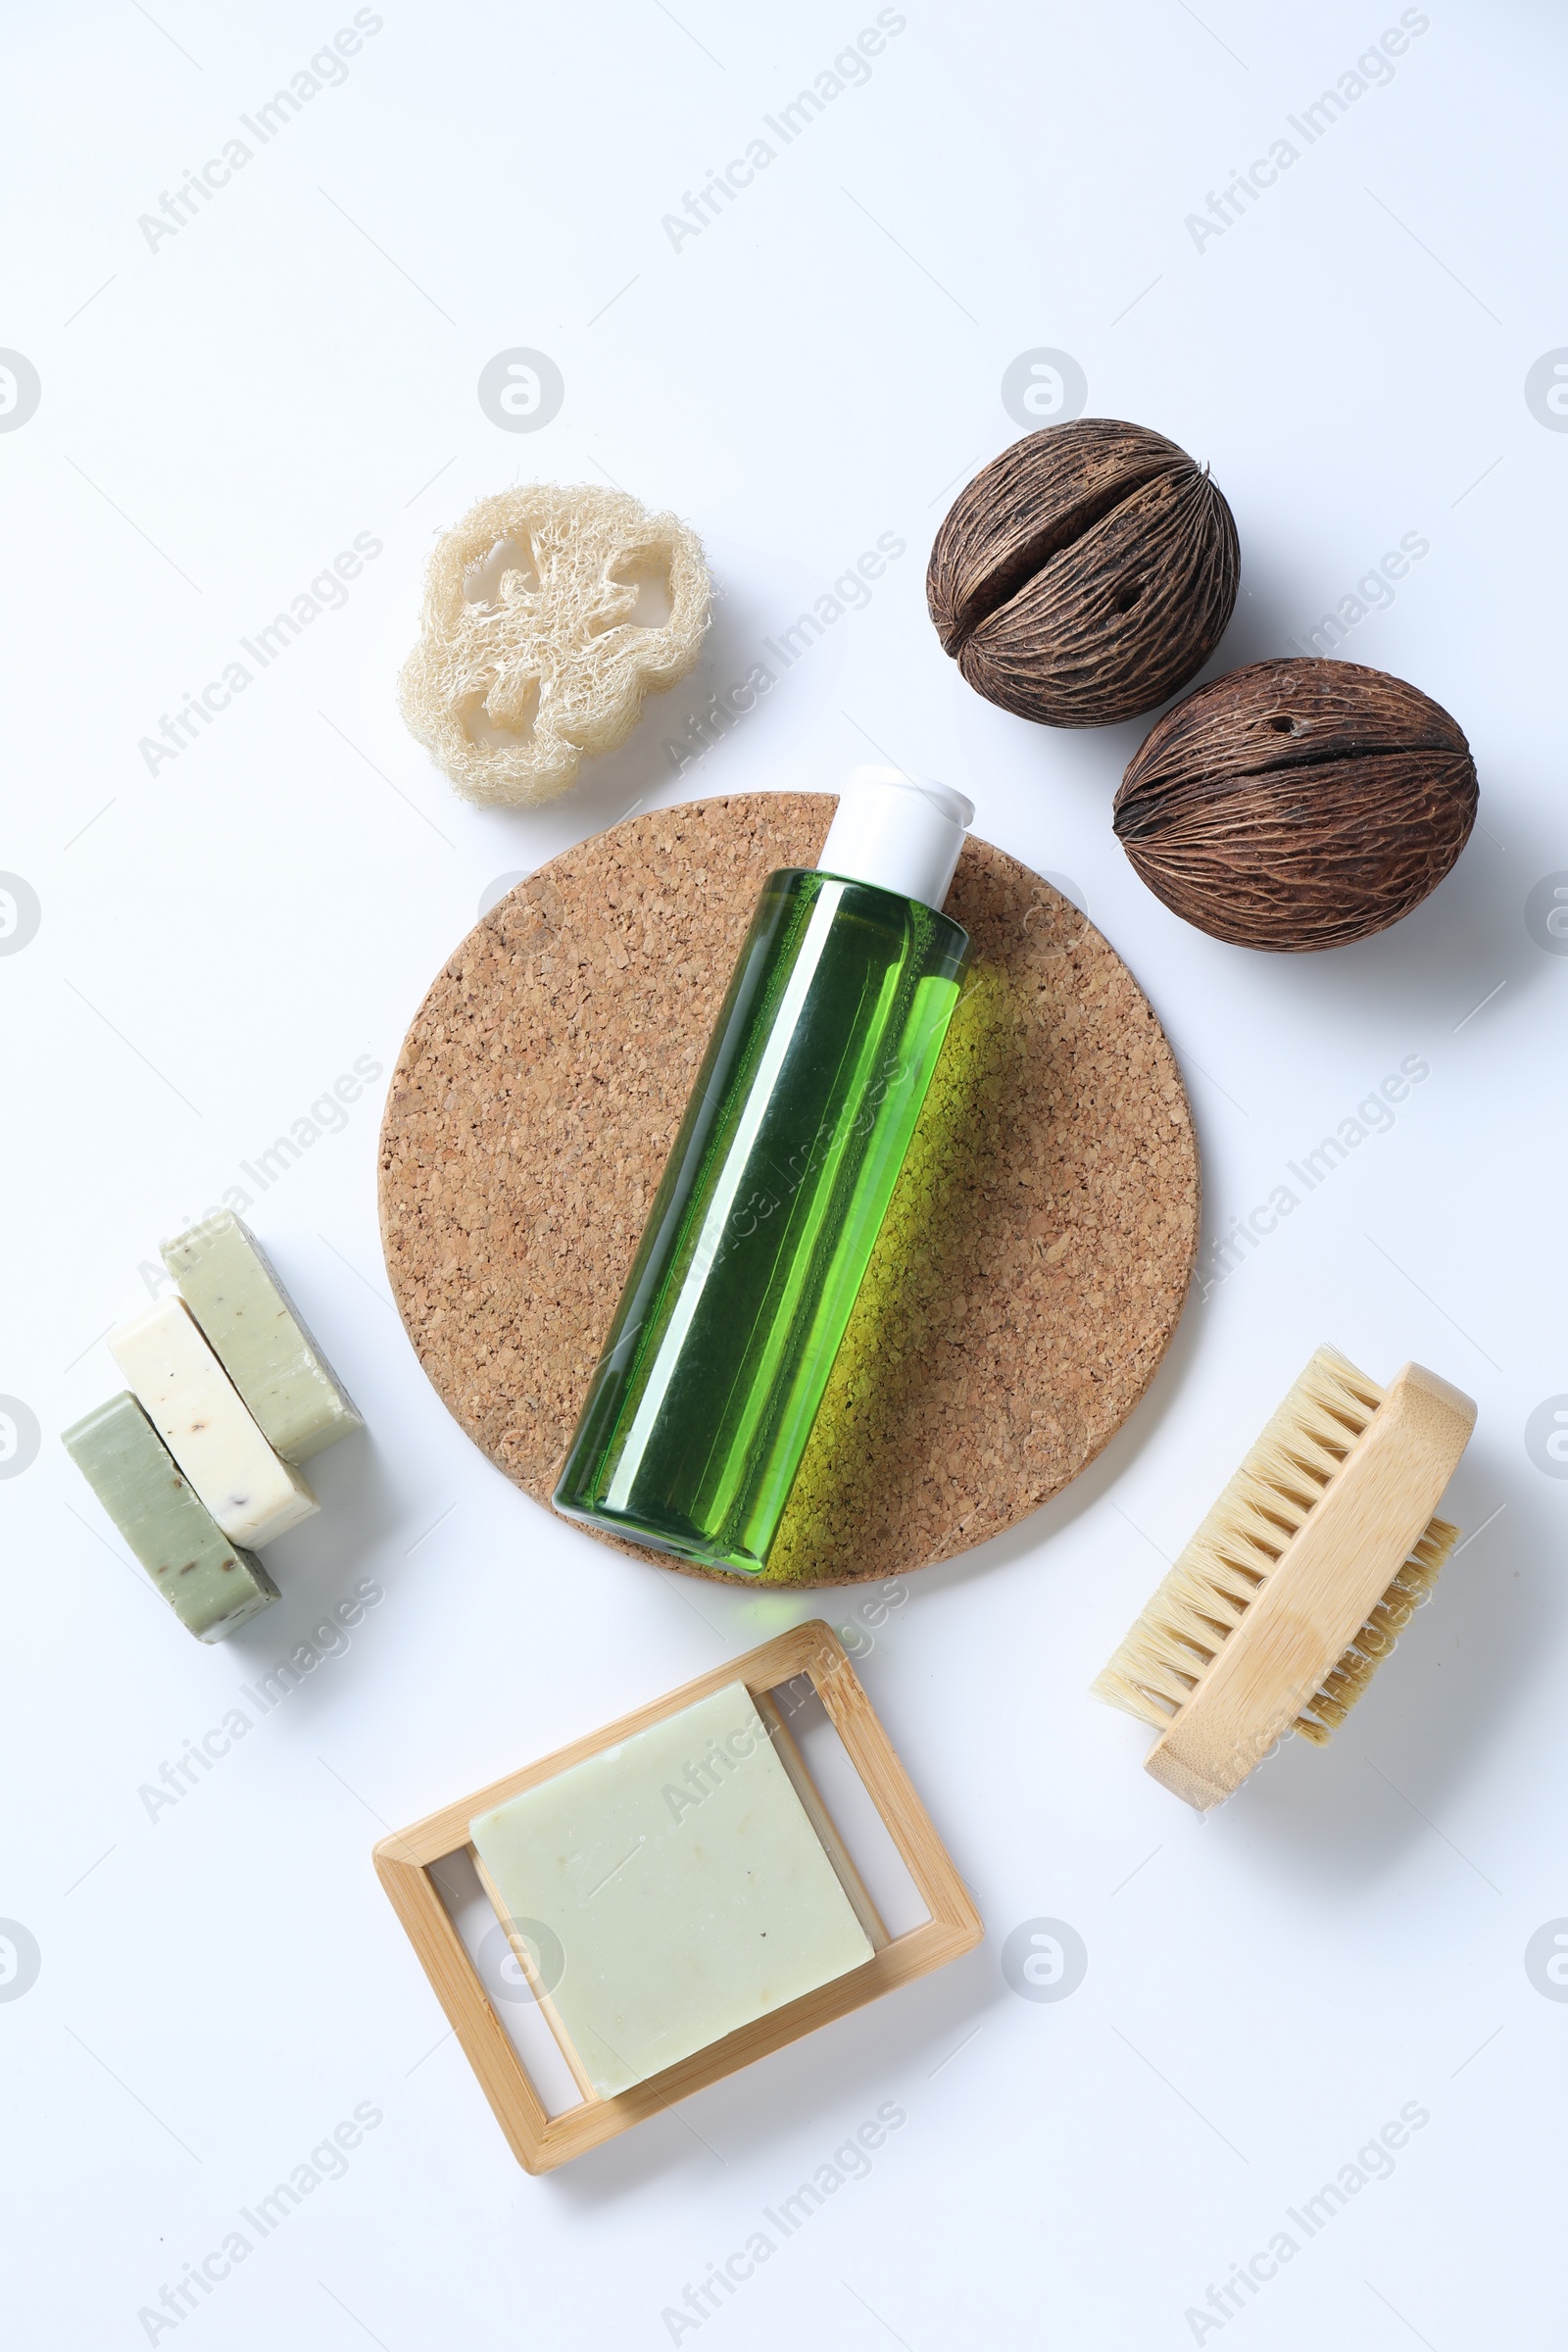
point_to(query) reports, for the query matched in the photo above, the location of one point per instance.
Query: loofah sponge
(549, 613)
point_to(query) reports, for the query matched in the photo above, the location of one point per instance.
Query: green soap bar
(680, 1917)
(212, 1586)
(253, 1328)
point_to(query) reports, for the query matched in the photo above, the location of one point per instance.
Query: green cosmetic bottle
(777, 1183)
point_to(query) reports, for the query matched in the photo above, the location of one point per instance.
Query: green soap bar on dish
(212, 1584)
(683, 1883)
(254, 1328)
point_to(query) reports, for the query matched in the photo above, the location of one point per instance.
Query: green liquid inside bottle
(765, 1219)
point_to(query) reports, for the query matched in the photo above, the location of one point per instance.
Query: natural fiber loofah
(549, 613)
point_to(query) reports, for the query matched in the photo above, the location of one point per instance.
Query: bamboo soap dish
(531, 1841)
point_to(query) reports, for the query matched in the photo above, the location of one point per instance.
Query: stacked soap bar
(252, 1492)
(230, 1392)
(227, 1282)
(212, 1586)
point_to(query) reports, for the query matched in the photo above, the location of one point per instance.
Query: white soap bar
(685, 1886)
(197, 1411)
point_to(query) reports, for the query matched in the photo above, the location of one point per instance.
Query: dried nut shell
(1298, 805)
(549, 613)
(1085, 573)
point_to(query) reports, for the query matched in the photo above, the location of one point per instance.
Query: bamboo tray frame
(541, 2141)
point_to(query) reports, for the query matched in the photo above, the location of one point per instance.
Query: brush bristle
(1326, 1711)
(1220, 1573)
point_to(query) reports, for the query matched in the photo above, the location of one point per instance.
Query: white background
(222, 1983)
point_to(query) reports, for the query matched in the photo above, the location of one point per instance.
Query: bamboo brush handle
(1328, 1581)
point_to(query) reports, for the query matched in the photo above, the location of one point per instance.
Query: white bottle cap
(896, 832)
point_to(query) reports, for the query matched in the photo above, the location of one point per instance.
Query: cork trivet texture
(1032, 1265)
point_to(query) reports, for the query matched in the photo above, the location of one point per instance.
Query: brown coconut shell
(1084, 574)
(1297, 804)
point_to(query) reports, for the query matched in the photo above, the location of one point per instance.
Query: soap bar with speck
(684, 1881)
(212, 1586)
(188, 1397)
(226, 1280)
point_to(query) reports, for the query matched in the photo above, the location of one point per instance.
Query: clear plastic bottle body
(765, 1219)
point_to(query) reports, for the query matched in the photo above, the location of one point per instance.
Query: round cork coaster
(1032, 1265)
